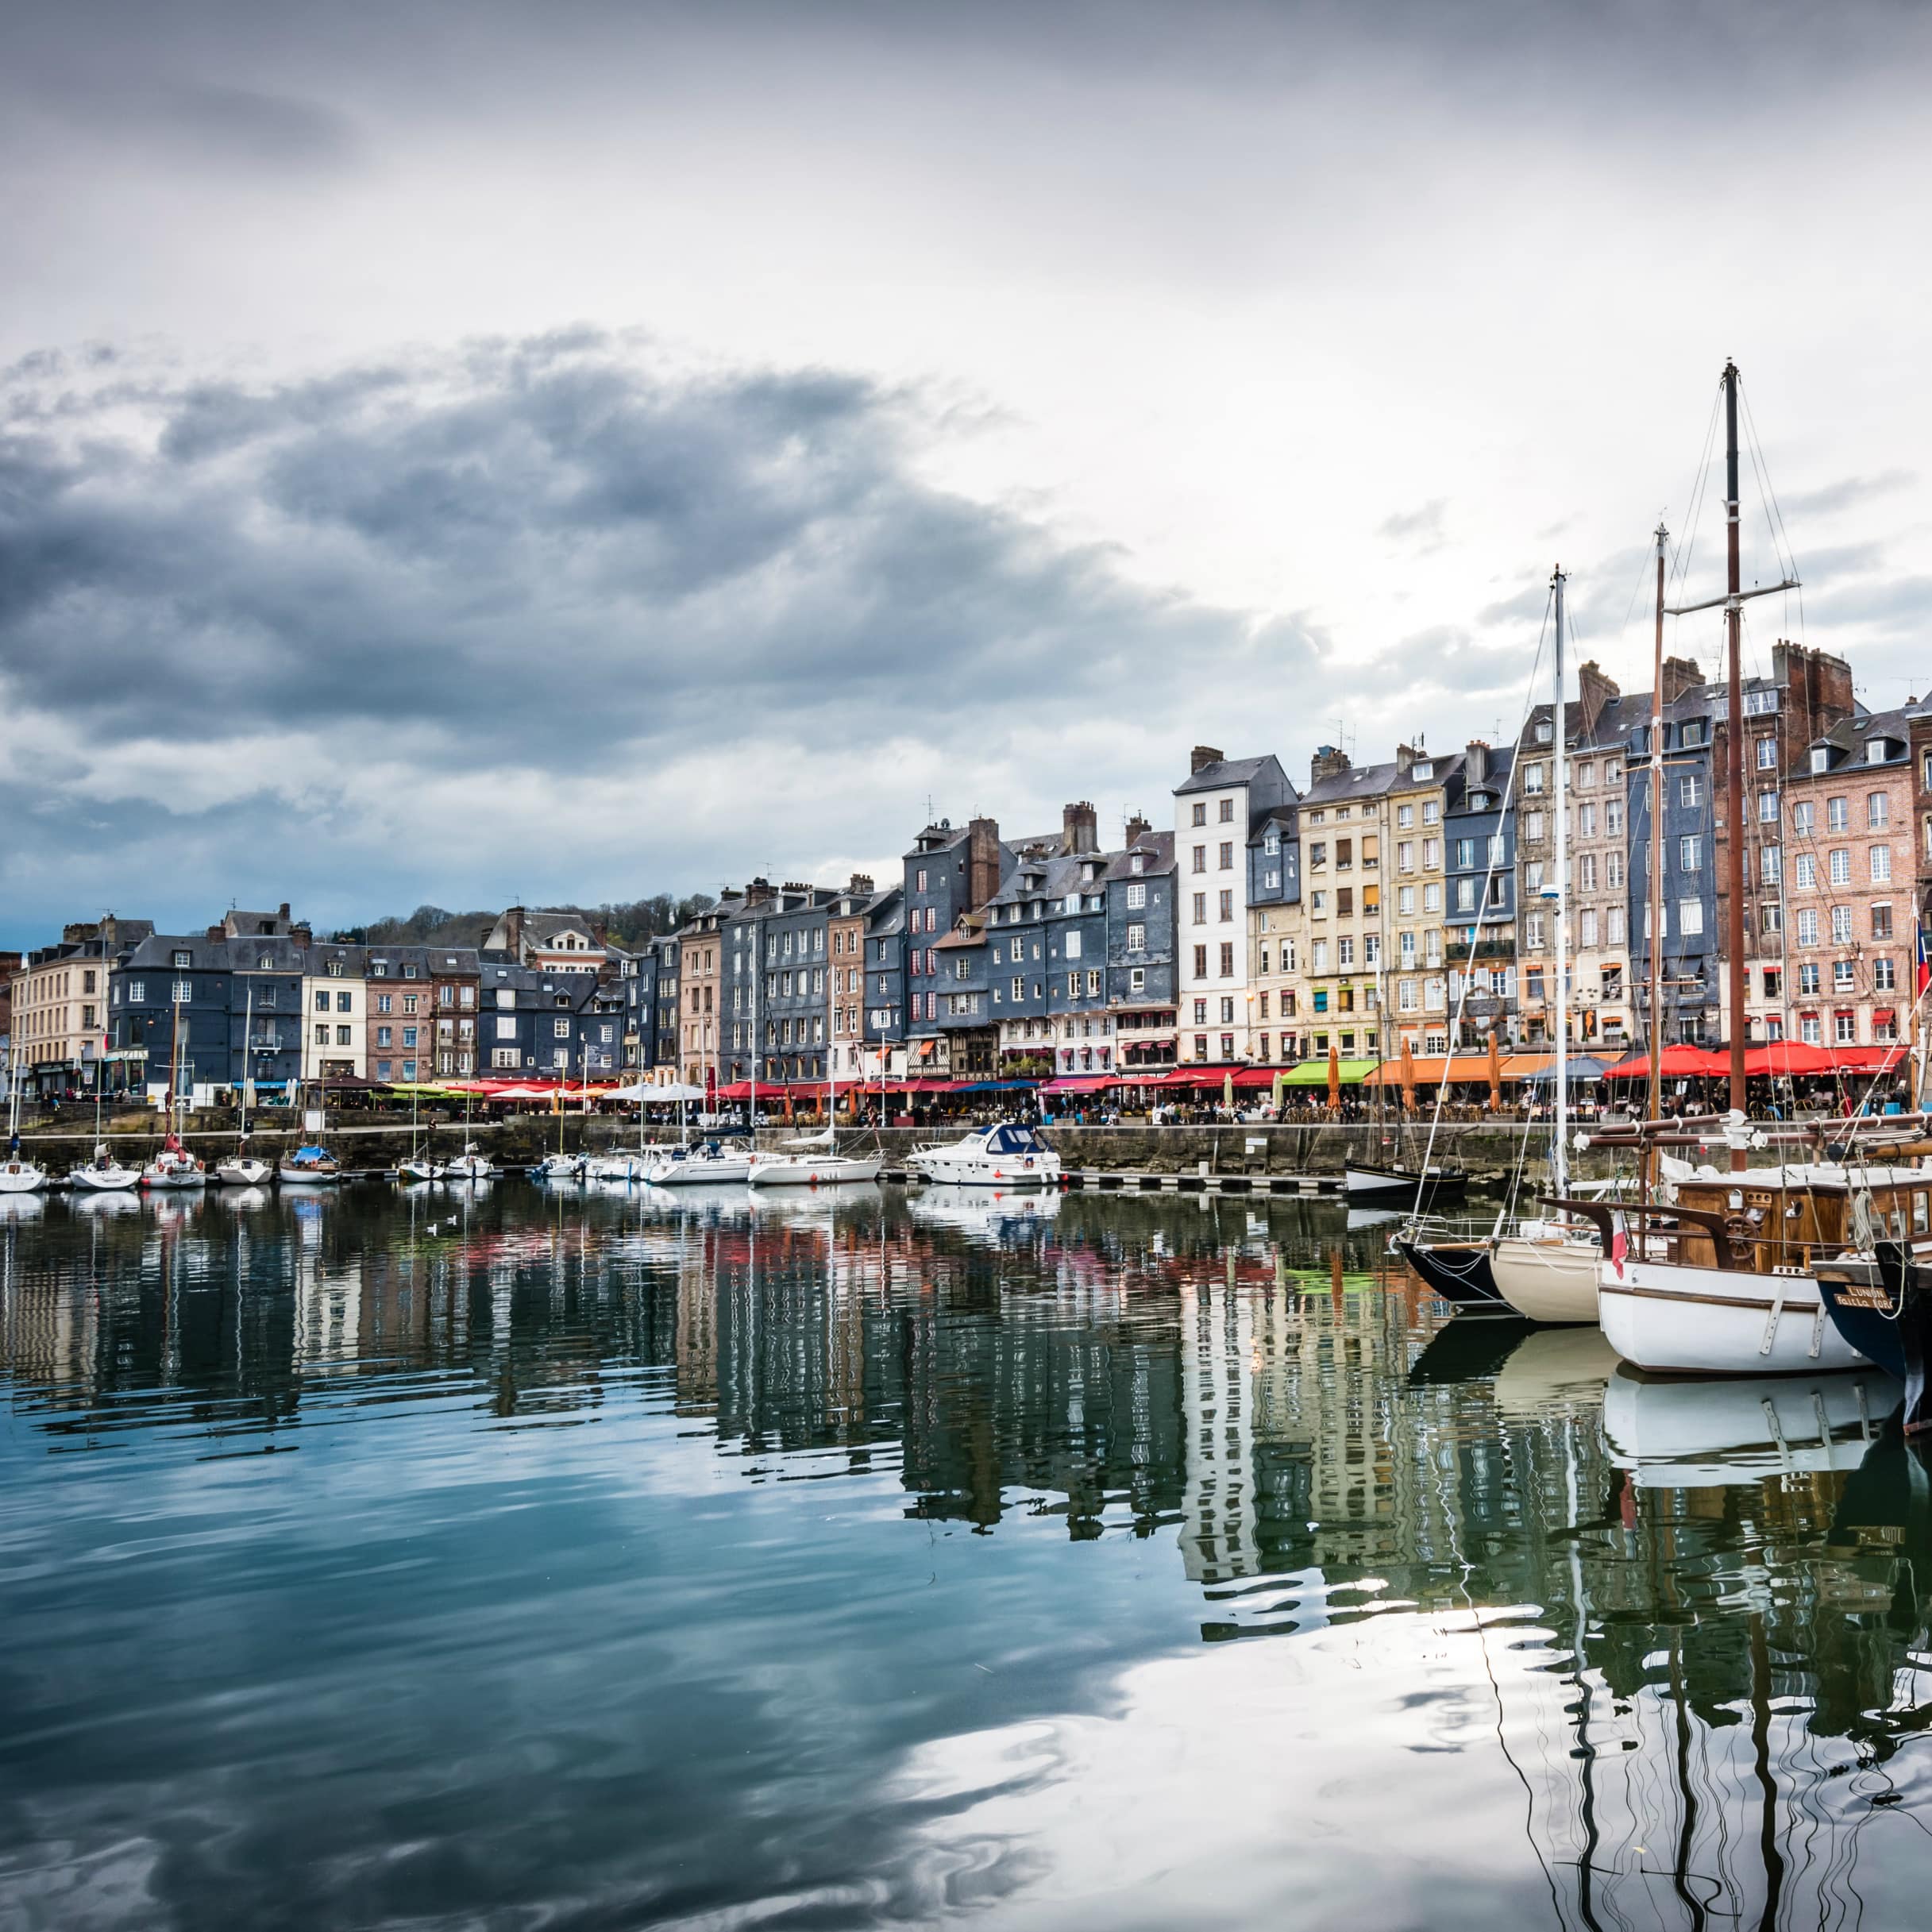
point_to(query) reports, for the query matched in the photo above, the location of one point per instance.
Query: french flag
(1620, 1244)
(1925, 962)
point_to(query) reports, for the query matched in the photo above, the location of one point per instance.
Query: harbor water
(503, 1558)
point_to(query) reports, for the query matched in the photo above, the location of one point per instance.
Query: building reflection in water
(1718, 1590)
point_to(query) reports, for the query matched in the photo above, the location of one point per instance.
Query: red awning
(738, 1089)
(1253, 1077)
(1080, 1083)
(1680, 1062)
(1786, 1057)
(1869, 1059)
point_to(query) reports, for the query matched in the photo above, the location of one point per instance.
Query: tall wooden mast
(1656, 919)
(1733, 762)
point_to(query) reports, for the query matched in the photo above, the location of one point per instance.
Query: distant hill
(630, 924)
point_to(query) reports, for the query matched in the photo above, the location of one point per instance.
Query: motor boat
(174, 1169)
(1438, 1186)
(471, 1164)
(709, 1164)
(19, 1175)
(310, 1167)
(561, 1167)
(420, 1167)
(813, 1160)
(1008, 1154)
(243, 1171)
(1547, 1270)
(103, 1174)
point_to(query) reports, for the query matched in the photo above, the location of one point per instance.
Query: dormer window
(1875, 749)
(1137, 863)
(1544, 733)
(1423, 769)
(182, 961)
(1821, 758)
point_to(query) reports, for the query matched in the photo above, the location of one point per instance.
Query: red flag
(1620, 1244)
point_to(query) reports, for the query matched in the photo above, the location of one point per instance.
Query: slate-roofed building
(950, 872)
(547, 1025)
(1218, 808)
(1479, 828)
(335, 1012)
(59, 1005)
(1141, 980)
(1344, 827)
(422, 1012)
(885, 980)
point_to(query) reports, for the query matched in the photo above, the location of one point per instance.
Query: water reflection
(617, 1557)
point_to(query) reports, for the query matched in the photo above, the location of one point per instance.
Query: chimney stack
(1680, 675)
(1475, 762)
(1328, 761)
(1595, 693)
(1079, 828)
(1201, 757)
(1137, 829)
(983, 861)
(862, 886)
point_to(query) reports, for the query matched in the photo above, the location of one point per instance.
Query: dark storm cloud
(528, 545)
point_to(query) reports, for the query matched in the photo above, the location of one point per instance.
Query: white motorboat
(709, 1164)
(243, 1171)
(471, 1164)
(1547, 1271)
(174, 1169)
(103, 1174)
(21, 1176)
(1680, 1434)
(1008, 1154)
(310, 1167)
(564, 1168)
(420, 1167)
(813, 1160)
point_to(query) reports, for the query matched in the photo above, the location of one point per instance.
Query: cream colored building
(1418, 1001)
(59, 1003)
(1344, 830)
(334, 1011)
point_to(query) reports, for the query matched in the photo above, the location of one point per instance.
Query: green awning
(1315, 1073)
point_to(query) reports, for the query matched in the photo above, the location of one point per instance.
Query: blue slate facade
(1692, 994)
(1478, 831)
(542, 1025)
(240, 1002)
(1142, 988)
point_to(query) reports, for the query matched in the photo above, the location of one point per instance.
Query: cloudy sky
(471, 451)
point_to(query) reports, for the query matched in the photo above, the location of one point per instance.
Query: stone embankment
(1489, 1149)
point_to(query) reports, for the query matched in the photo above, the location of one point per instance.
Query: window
(1201, 858)
(1841, 925)
(1227, 907)
(345, 1002)
(183, 992)
(1690, 853)
(1881, 921)
(1200, 908)
(1318, 956)
(1432, 811)
(1465, 854)
(1768, 807)
(1612, 817)
(383, 1037)
(1227, 855)
(1532, 932)
(1227, 961)
(1690, 918)
(1404, 816)
(1837, 815)
(1318, 855)
(1533, 778)
(506, 1028)
(1344, 950)
(1881, 864)
(1613, 934)
(1586, 926)
(1884, 974)
(1690, 789)
(1808, 979)
(1465, 895)
(137, 993)
(1767, 754)
(345, 1036)
(1841, 866)
(1821, 758)
(1136, 897)
(1805, 871)
(1770, 863)
(1137, 980)
(1227, 1012)
(1227, 810)
(1587, 820)
(382, 1002)
(1405, 855)
(919, 884)
(1808, 925)
(1136, 938)
(321, 1035)
(1201, 812)
(1586, 873)
(1845, 1028)
(1844, 975)
(1201, 962)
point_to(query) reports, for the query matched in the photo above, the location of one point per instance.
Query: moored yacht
(709, 1164)
(813, 1160)
(103, 1174)
(240, 1170)
(18, 1175)
(1008, 1154)
(309, 1168)
(174, 1169)
(471, 1164)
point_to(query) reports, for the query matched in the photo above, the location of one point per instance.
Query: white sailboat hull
(168, 1177)
(115, 1180)
(826, 1170)
(419, 1171)
(21, 1177)
(1674, 1319)
(244, 1173)
(1549, 1280)
(726, 1169)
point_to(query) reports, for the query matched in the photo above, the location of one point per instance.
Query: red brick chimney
(1328, 761)
(1137, 829)
(1595, 693)
(1201, 757)
(1079, 828)
(982, 862)
(1680, 675)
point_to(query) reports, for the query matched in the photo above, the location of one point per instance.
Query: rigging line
(1462, 998)
(1698, 483)
(1771, 495)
